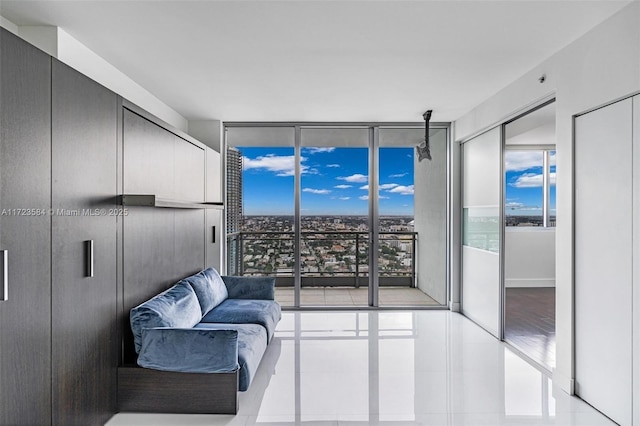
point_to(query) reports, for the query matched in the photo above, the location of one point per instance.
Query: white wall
(529, 257)
(209, 132)
(601, 66)
(57, 43)
(431, 218)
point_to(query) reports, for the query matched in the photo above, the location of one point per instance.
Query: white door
(603, 259)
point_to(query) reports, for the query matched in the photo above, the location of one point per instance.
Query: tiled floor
(390, 368)
(351, 296)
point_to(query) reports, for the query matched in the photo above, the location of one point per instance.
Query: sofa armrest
(260, 288)
(189, 350)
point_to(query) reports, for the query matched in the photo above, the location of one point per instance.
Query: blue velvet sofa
(207, 324)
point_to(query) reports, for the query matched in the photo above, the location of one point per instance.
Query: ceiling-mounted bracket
(423, 149)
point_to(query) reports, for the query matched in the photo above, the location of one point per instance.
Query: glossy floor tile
(391, 368)
(350, 297)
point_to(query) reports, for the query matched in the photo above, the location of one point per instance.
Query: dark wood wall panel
(160, 245)
(84, 353)
(149, 152)
(148, 262)
(25, 183)
(189, 242)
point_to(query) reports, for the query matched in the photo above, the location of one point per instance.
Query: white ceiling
(320, 60)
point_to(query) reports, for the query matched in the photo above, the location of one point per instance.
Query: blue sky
(524, 183)
(334, 181)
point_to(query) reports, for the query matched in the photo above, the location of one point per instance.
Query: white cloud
(343, 186)
(528, 180)
(333, 165)
(317, 191)
(281, 165)
(522, 160)
(366, 197)
(386, 186)
(316, 150)
(532, 180)
(344, 198)
(356, 178)
(365, 187)
(398, 175)
(403, 190)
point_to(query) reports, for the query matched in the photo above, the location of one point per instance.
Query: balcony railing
(331, 258)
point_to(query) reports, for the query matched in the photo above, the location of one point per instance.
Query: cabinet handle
(4, 289)
(89, 258)
(213, 231)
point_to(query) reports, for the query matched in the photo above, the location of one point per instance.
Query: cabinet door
(25, 183)
(149, 152)
(213, 243)
(84, 353)
(188, 166)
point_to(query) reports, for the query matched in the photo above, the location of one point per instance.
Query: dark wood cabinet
(84, 308)
(25, 192)
(77, 260)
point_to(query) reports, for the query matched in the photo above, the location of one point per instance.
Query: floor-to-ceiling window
(334, 216)
(321, 206)
(260, 171)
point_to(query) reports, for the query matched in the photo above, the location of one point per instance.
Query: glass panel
(481, 228)
(334, 217)
(260, 206)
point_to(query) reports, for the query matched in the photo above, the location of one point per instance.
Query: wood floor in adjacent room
(530, 322)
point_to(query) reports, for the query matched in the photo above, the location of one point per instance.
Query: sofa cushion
(189, 350)
(209, 288)
(252, 343)
(250, 287)
(176, 307)
(243, 311)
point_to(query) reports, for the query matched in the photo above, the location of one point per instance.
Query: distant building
(234, 190)
(234, 205)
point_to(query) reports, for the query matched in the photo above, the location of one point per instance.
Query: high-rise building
(234, 190)
(234, 209)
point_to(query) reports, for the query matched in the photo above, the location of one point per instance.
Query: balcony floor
(350, 296)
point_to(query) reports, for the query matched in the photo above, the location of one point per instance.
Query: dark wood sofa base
(145, 390)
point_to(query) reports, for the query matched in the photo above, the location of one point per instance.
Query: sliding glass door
(482, 230)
